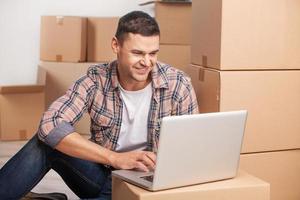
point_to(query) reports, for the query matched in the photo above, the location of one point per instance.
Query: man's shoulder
(97, 70)
(103, 75)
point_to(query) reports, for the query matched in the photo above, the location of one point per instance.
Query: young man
(126, 100)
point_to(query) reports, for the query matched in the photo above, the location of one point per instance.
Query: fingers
(140, 160)
(151, 156)
(148, 159)
(141, 167)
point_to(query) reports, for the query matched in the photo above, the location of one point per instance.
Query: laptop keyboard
(148, 178)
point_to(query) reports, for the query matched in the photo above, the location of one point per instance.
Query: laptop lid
(198, 148)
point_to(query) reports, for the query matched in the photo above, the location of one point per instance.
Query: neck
(134, 86)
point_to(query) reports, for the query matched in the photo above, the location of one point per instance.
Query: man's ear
(115, 45)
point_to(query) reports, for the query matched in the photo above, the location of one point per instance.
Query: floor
(50, 183)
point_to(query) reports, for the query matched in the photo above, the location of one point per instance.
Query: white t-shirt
(133, 133)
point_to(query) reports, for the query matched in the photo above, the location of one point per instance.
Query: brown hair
(136, 22)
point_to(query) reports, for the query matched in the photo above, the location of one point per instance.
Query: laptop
(193, 149)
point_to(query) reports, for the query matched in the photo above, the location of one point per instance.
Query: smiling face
(137, 55)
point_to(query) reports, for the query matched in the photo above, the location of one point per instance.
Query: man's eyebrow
(155, 51)
(136, 50)
(143, 52)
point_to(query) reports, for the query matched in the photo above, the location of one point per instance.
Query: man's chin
(142, 78)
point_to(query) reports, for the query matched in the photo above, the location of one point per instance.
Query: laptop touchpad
(148, 178)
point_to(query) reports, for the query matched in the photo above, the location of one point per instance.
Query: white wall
(20, 28)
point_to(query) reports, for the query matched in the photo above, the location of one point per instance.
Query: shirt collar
(114, 75)
(159, 76)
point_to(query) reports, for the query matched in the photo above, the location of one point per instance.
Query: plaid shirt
(98, 94)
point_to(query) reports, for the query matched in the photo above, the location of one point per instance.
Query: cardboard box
(253, 34)
(21, 108)
(244, 186)
(281, 169)
(100, 33)
(60, 76)
(178, 56)
(174, 19)
(63, 38)
(271, 98)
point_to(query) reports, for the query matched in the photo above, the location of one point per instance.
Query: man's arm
(58, 121)
(56, 130)
(77, 146)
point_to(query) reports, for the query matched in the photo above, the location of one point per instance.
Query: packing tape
(60, 20)
(59, 58)
(201, 75)
(23, 134)
(204, 61)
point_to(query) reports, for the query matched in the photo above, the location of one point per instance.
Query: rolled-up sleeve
(57, 122)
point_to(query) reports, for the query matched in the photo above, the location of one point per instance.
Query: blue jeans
(24, 170)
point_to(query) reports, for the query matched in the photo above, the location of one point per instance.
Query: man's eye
(137, 53)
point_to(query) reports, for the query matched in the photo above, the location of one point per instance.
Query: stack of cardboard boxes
(77, 39)
(175, 38)
(246, 56)
(69, 46)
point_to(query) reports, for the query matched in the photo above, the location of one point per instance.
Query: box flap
(17, 89)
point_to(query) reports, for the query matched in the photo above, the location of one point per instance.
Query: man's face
(137, 56)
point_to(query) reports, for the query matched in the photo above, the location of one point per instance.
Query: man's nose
(146, 60)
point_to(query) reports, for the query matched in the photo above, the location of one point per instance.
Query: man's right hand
(140, 160)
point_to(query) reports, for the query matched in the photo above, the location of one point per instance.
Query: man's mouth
(141, 70)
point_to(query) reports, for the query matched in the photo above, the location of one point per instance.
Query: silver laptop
(193, 149)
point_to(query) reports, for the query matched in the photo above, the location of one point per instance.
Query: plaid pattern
(98, 94)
